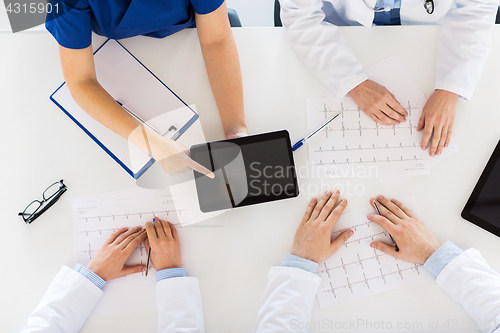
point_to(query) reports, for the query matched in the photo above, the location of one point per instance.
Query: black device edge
(466, 212)
(245, 140)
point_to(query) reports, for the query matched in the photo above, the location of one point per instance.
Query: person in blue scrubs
(119, 19)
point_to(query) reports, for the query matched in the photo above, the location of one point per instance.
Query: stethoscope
(428, 5)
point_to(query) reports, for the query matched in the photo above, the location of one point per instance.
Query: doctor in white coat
(464, 42)
(292, 287)
(74, 292)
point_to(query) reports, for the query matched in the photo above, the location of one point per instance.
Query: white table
(40, 145)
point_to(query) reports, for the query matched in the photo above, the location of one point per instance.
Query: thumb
(337, 242)
(132, 269)
(386, 248)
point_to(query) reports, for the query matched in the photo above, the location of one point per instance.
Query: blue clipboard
(129, 81)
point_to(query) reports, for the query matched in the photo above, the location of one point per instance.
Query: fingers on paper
(385, 212)
(151, 231)
(386, 203)
(123, 236)
(421, 122)
(384, 247)
(405, 209)
(395, 111)
(337, 212)
(166, 229)
(339, 241)
(127, 270)
(319, 206)
(383, 222)
(114, 235)
(330, 203)
(133, 241)
(309, 210)
(427, 136)
(383, 119)
(436, 138)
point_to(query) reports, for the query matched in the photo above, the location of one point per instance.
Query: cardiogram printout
(95, 221)
(353, 145)
(357, 270)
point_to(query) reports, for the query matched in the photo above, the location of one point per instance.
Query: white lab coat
(464, 39)
(290, 293)
(71, 297)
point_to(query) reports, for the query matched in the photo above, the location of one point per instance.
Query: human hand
(176, 159)
(165, 246)
(416, 243)
(109, 262)
(437, 117)
(313, 237)
(378, 103)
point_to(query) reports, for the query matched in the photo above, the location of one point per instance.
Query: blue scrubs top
(117, 19)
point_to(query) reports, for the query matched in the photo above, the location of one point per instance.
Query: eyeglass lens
(32, 208)
(52, 190)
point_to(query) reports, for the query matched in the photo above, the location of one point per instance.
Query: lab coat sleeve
(464, 43)
(472, 283)
(66, 304)
(179, 305)
(321, 46)
(288, 300)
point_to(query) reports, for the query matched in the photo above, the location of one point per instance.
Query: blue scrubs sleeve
(206, 6)
(73, 29)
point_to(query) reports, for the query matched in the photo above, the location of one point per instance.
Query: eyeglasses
(50, 197)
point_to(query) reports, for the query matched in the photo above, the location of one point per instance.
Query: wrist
(236, 132)
(430, 251)
(303, 256)
(451, 96)
(94, 269)
(150, 142)
(354, 91)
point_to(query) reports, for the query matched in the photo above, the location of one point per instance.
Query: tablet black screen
(249, 170)
(483, 207)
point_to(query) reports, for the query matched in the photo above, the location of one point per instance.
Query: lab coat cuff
(460, 91)
(170, 273)
(442, 257)
(93, 277)
(344, 90)
(293, 261)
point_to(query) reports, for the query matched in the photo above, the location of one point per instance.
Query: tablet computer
(483, 207)
(248, 170)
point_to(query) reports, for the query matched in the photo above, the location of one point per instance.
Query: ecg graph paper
(354, 140)
(353, 143)
(357, 270)
(95, 222)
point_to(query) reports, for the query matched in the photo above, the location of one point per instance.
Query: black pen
(392, 239)
(147, 264)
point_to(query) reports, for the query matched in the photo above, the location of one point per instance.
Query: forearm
(66, 305)
(471, 282)
(224, 73)
(288, 300)
(179, 305)
(464, 43)
(101, 106)
(321, 46)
